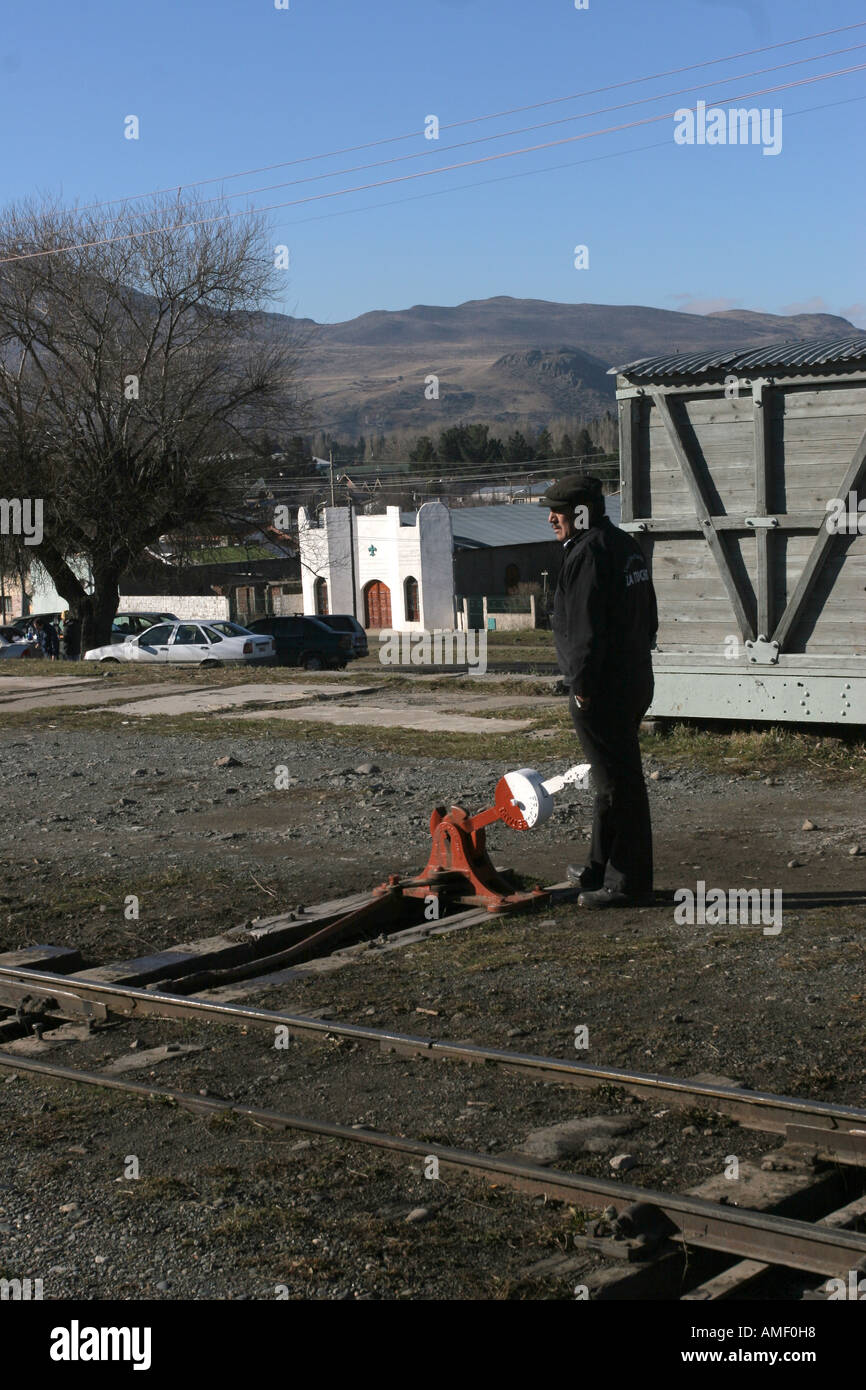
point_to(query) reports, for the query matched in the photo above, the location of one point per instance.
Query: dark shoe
(605, 897)
(587, 878)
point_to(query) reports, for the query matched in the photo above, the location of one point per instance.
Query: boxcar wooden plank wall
(695, 611)
(806, 438)
(723, 431)
(819, 433)
(729, 474)
(834, 619)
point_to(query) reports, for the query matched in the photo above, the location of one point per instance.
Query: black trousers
(621, 852)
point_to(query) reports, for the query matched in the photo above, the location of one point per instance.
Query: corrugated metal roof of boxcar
(794, 354)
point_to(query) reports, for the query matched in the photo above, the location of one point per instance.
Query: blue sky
(221, 86)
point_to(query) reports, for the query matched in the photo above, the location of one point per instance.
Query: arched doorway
(377, 604)
(410, 600)
(321, 594)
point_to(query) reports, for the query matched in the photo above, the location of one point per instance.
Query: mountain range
(502, 360)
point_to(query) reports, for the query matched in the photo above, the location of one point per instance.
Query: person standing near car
(52, 641)
(604, 624)
(70, 637)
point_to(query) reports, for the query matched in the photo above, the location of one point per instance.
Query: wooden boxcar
(743, 473)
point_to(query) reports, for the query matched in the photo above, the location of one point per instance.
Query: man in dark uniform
(70, 637)
(604, 624)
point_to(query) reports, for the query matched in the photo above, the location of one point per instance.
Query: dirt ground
(99, 808)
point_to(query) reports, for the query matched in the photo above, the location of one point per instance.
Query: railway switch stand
(459, 869)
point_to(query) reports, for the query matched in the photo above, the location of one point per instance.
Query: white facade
(381, 551)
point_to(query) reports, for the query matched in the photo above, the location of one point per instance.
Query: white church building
(392, 571)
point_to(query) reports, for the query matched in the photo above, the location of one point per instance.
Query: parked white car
(14, 644)
(198, 641)
(128, 625)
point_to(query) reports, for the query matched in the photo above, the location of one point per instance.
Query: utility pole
(331, 470)
(352, 553)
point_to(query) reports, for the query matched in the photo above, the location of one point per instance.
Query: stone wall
(510, 622)
(185, 606)
(287, 605)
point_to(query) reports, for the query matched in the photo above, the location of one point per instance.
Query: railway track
(839, 1130)
(651, 1224)
(691, 1221)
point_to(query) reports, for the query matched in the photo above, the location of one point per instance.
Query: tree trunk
(97, 610)
(66, 581)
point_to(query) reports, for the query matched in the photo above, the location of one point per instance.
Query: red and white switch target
(523, 800)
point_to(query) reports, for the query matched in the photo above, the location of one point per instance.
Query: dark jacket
(52, 641)
(70, 638)
(604, 611)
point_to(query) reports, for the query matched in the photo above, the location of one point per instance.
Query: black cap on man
(574, 492)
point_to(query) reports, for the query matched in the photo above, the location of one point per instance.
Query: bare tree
(132, 380)
(14, 569)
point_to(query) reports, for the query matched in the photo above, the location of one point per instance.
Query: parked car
(22, 624)
(124, 624)
(14, 644)
(344, 622)
(196, 641)
(227, 628)
(134, 624)
(306, 642)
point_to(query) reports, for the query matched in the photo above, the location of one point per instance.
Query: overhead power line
(501, 472)
(430, 150)
(490, 116)
(530, 173)
(420, 174)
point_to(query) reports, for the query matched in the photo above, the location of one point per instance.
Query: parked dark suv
(305, 642)
(344, 622)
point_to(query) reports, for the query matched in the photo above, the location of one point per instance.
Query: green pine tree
(543, 446)
(473, 443)
(517, 449)
(423, 450)
(449, 449)
(584, 446)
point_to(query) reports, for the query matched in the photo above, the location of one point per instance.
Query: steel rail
(694, 1221)
(733, 1280)
(759, 1110)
